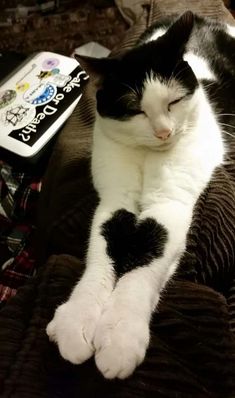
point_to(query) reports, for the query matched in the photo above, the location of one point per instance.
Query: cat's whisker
(228, 125)
(224, 84)
(226, 132)
(131, 89)
(122, 97)
(206, 85)
(217, 87)
(179, 72)
(226, 114)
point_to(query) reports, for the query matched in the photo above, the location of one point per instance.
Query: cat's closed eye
(176, 101)
(135, 112)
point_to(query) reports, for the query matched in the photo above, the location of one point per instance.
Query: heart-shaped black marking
(132, 243)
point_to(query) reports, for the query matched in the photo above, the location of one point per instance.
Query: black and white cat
(158, 136)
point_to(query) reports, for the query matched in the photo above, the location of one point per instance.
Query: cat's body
(157, 141)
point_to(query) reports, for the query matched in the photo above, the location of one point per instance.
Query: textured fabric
(191, 355)
(192, 350)
(131, 9)
(31, 30)
(213, 9)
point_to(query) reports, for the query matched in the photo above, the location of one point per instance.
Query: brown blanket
(192, 350)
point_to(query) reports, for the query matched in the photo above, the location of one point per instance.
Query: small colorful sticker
(55, 71)
(50, 63)
(22, 87)
(40, 94)
(7, 97)
(18, 116)
(44, 74)
(61, 80)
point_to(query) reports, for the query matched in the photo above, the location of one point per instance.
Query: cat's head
(147, 95)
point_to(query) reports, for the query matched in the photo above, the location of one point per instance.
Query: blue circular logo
(40, 94)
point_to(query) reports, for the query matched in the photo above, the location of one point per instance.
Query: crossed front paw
(118, 338)
(73, 329)
(120, 343)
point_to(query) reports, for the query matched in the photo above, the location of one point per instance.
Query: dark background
(59, 25)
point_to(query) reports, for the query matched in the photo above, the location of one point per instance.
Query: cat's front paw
(120, 342)
(73, 328)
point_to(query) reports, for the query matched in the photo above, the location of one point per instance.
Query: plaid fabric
(19, 192)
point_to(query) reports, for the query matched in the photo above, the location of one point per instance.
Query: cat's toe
(120, 346)
(113, 362)
(73, 328)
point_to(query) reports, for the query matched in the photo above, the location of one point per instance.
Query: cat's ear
(98, 67)
(179, 32)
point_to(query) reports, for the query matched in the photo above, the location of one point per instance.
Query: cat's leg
(117, 179)
(122, 335)
(74, 322)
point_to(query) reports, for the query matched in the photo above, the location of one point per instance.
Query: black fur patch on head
(121, 93)
(130, 243)
(124, 78)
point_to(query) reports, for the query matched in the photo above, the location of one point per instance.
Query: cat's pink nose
(163, 134)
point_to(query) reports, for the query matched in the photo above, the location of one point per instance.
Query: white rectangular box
(36, 99)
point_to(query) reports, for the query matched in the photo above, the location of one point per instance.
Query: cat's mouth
(166, 144)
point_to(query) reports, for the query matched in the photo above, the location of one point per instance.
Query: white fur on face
(157, 94)
(140, 130)
(156, 100)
